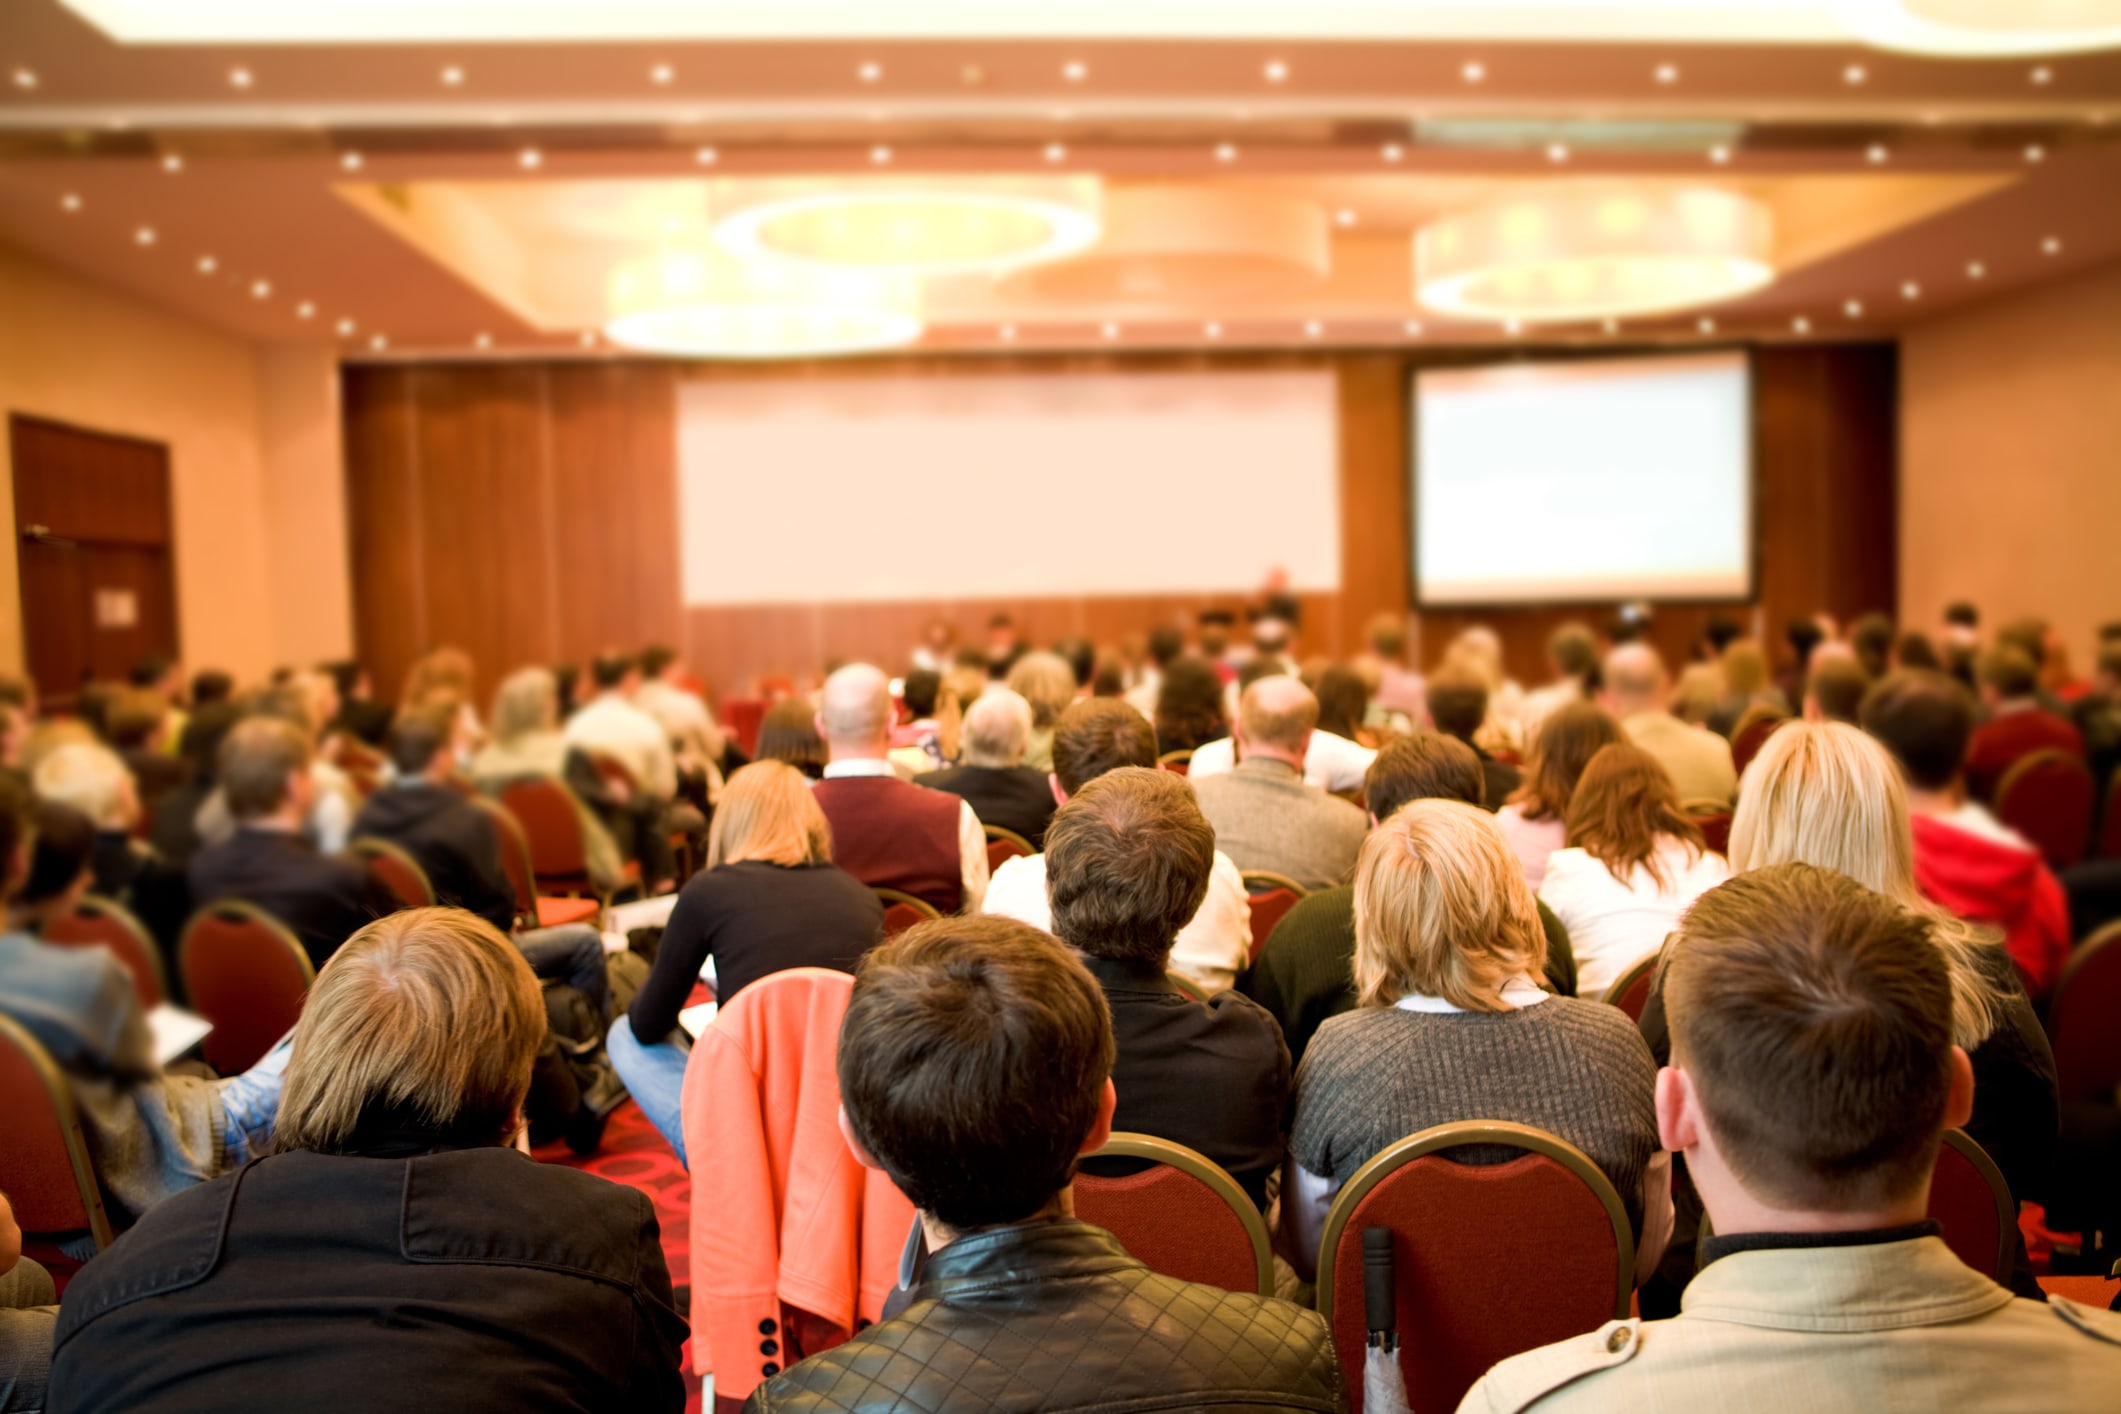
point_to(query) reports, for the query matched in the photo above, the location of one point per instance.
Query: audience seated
(917, 742)
(150, 1133)
(2097, 715)
(1633, 865)
(682, 713)
(267, 861)
(1826, 1286)
(1834, 690)
(139, 728)
(769, 898)
(2018, 724)
(1189, 705)
(163, 676)
(1965, 858)
(1697, 761)
(1163, 646)
(1266, 816)
(1046, 681)
(974, 1068)
(1746, 685)
(1453, 1025)
(886, 832)
(129, 872)
(174, 830)
(609, 727)
(1803, 637)
(1458, 704)
(456, 844)
(1128, 861)
(788, 732)
(1334, 762)
(394, 1240)
(1535, 817)
(527, 744)
(1701, 683)
(992, 775)
(1871, 639)
(61, 868)
(359, 716)
(332, 798)
(1572, 657)
(29, 1310)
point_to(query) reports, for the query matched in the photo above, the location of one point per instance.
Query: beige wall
(254, 461)
(2010, 459)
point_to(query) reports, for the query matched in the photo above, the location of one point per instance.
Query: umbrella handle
(1379, 1299)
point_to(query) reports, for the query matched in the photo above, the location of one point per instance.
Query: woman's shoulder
(1606, 1025)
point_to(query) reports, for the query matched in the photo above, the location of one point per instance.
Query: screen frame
(1411, 451)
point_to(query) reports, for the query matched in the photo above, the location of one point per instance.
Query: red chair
(2047, 796)
(398, 870)
(2080, 1019)
(2110, 824)
(1969, 1197)
(549, 815)
(741, 718)
(1489, 1260)
(1005, 845)
(248, 975)
(1182, 1215)
(532, 911)
(1713, 818)
(1179, 762)
(1631, 989)
(1754, 727)
(99, 920)
(902, 910)
(44, 1165)
(1270, 895)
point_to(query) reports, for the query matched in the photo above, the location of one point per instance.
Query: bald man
(993, 777)
(887, 832)
(1635, 689)
(1264, 813)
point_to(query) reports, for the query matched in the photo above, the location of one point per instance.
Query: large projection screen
(1584, 480)
(1006, 485)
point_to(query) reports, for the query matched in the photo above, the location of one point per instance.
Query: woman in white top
(1633, 865)
(1535, 817)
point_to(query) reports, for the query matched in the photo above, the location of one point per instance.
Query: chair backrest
(515, 857)
(248, 975)
(741, 718)
(1187, 986)
(44, 1165)
(1969, 1197)
(1754, 727)
(1631, 989)
(1488, 1260)
(545, 809)
(1270, 895)
(102, 920)
(2047, 796)
(1182, 1215)
(1004, 845)
(2081, 1018)
(1713, 817)
(1178, 761)
(902, 910)
(398, 870)
(2110, 821)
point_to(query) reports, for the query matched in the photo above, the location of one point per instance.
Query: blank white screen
(1603, 479)
(1006, 485)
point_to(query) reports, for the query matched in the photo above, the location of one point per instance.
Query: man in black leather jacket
(975, 1067)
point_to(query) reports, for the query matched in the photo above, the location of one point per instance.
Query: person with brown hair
(1635, 688)
(2018, 723)
(975, 1069)
(1535, 817)
(139, 725)
(1458, 705)
(1825, 1286)
(396, 1229)
(770, 898)
(1266, 815)
(1048, 682)
(1633, 864)
(1834, 688)
(1746, 684)
(1189, 706)
(1452, 1025)
(1128, 861)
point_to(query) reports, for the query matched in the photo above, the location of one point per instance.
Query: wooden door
(96, 556)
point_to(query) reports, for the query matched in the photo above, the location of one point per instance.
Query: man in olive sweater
(1305, 973)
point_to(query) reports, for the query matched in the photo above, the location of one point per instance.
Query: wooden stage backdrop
(527, 512)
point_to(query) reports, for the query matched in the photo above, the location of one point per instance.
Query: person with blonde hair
(93, 780)
(1047, 682)
(1452, 1024)
(1633, 864)
(396, 1234)
(1746, 684)
(527, 742)
(770, 898)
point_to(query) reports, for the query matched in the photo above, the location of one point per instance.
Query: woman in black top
(769, 899)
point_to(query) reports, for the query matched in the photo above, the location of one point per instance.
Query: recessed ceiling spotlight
(1975, 270)
(1557, 152)
(2051, 246)
(207, 265)
(453, 75)
(1668, 73)
(484, 341)
(870, 71)
(706, 156)
(1854, 73)
(1226, 152)
(379, 343)
(260, 289)
(531, 159)
(2042, 74)
(351, 161)
(345, 327)
(1911, 290)
(1801, 325)
(1412, 328)
(1075, 71)
(1853, 309)
(1345, 216)
(172, 162)
(70, 202)
(144, 236)
(1276, 71)
(1213, 330)
(1393, 152)
(1473, 71)
(880, 154)
(239, 77)
(1056, 152)
(25, 78)
(662, 73)
(1110, 330)
(1876, 153)
(589, 338)
(1719, 154)
(1312, 328)
(1008, 333)
(2034, 152)
(305, 310)
(1706, 325)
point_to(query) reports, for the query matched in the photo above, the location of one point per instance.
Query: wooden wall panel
(568, 471)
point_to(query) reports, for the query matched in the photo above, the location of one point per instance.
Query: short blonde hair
(1442, 909)
(527, 701)
(429, 1014)
(93, 780)
(768, 813)
(1824, 793)
(1046, 682)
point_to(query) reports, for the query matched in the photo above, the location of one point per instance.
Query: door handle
(42, 535)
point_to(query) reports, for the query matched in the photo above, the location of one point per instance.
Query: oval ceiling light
(912, 225)
(705, 304)
(1594, 253)
(1190, 245)
(1982, 27)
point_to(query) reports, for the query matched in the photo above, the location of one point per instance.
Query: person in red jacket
(2018, 723)
(1966, 859)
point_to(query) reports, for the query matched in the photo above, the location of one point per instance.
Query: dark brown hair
(1189, 705)
(1925, 719)
(2010, 670)
(1424, 766)
(132, 716)
(1127, 864)
(1815, 1018)
(788, 732)
(971, 1064)
(1569, 737)
(1343, 700)
(1458, 702)
(416, 735)
(257, 756)
(1837, 685)
(1097, 735)
(1624, 805)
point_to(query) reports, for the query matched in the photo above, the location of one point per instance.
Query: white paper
(696, 1019)
(175, 1031)
(647, 913)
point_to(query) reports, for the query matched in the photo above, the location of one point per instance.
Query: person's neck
(837, 751)
(941, 1235)
(1935, 802)
(287, 820)
(1260, 751)
(1733, 1210)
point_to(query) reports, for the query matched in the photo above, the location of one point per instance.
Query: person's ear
(1060, 797)
(1959, 1100)
(1304, 750)
(1101, 1127)
(817, 724)
(1678, 1110)
(855, 1146)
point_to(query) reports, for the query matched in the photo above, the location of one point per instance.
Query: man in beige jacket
(1636, 689)
(1826, 1288)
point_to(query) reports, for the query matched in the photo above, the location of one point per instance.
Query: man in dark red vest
(888, 832)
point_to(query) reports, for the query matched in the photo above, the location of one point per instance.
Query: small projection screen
(1584, 480)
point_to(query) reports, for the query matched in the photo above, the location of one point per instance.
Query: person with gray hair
(992, 776)
(1635, 689)
(887, 832)
(1266, 816)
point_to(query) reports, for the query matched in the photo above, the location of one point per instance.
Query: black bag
(572, 1085)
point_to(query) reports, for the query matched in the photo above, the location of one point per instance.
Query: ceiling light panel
(919, 225)
(704, 303)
